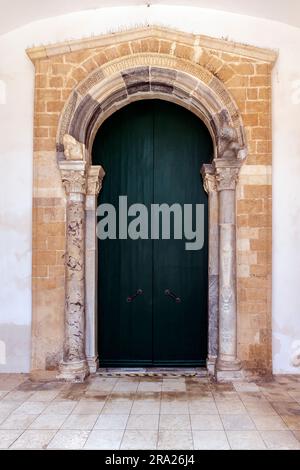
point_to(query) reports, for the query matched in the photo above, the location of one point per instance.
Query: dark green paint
(152, 151)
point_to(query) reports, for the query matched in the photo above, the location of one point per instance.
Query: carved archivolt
(139, 76)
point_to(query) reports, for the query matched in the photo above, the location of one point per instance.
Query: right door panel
(180, 277)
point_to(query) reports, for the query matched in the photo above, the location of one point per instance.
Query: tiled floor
(149, 413)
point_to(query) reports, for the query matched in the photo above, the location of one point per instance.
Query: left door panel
(124, 147)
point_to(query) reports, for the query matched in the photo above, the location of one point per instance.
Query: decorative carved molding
(178, 80)
(229, 147)
(94, 180)
(73, 150)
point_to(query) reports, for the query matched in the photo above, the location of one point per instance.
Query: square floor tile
(237, 423)
(208, 422)
(112, 422)
(231, 396)
(210, 440)
(18, 395)
(297, 435)
(44, 395)
(33, 440)
(245, 440)
(4, 415)
(139, 440)
(174, 407)
(280, 440)
(268, 422)
(96, 396)
(80, 422)
(175, 440)
(8, 406)
(174, 422)
(286, 408)
(45, 421)
(277, 395)
(259, 408)
(145, 407)
(68, 439)
(203, 407)
(145, 422)
(88, 407)
(231, 407)
(196, 397)
(246, 387)
(295, 394)
(60, 407)
(17, 421)
(173, 387)
(104, 439)
(104, 385)
(255, 397)
(117, 407)
(292, 422)
(124, 386)
(8, 437)
(150, 387)
(30, 408)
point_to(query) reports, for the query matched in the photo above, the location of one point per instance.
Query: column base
(211, 364)
(229, 375)
(74, 372)
(228, 371)
(93, 363)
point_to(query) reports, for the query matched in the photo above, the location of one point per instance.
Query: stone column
(209, 183)
(74, 366)
(94, 184)
(228, 365)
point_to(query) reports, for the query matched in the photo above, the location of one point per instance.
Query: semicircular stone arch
(145, 76)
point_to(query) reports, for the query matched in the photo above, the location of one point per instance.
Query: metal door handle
(136, 294)
(171, 294)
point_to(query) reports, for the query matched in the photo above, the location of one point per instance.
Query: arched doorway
(101, 94)
(153, 293)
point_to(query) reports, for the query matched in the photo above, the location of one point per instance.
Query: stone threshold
(152, 372)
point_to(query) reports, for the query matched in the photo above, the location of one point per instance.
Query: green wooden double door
(152, 293)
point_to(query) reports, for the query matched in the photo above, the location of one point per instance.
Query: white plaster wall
(16, 116)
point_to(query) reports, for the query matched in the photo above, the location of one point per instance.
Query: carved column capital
(227, 173)
(226, 178)
(209, 178)
(94, 180)
(73, 176)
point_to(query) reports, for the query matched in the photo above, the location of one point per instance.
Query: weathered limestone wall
(249, 82)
